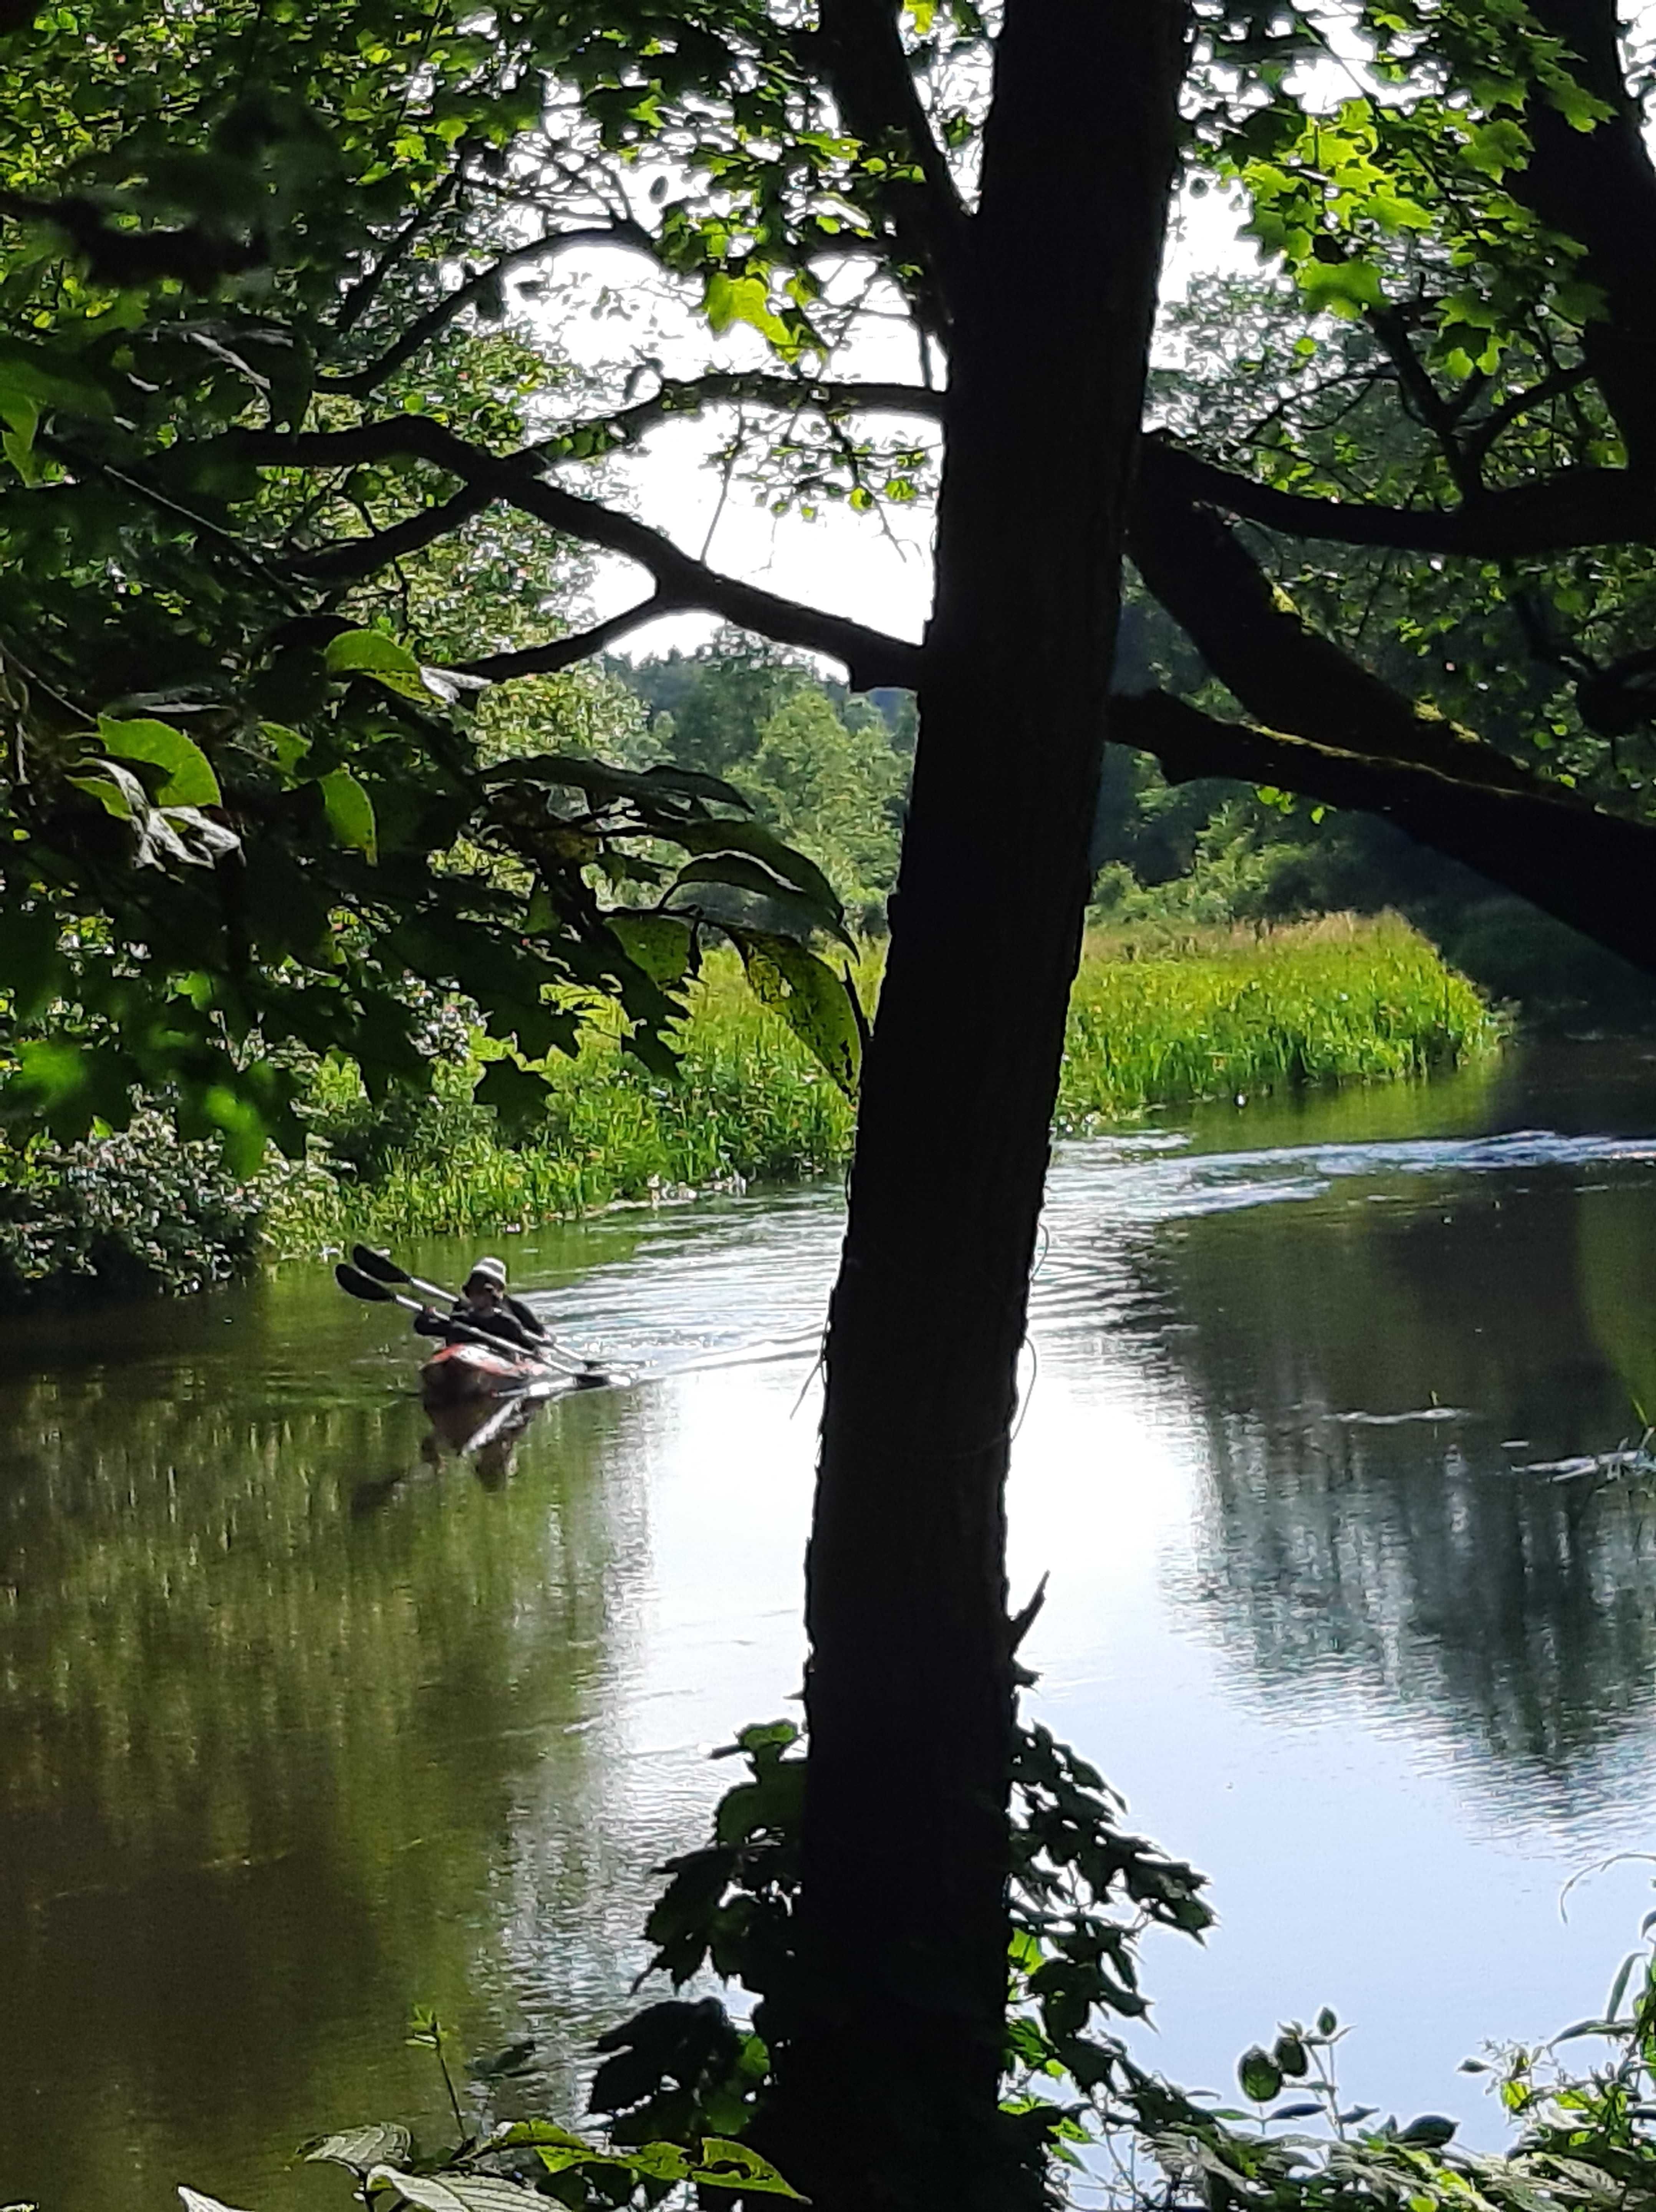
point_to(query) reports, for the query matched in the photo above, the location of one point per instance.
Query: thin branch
(867, 71)
(361, 383)
(561, 652)
(1484, 434)
(871, 658)
(789, 395)
(363, 293)
(1284, 673)
(348, 558)
(1436, 414)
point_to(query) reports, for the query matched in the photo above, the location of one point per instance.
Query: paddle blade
(379, 1265)
(359, 1285)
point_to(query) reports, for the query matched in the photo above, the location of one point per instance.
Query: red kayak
(462, 1372)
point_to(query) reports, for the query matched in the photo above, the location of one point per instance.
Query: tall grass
(1153, 1022)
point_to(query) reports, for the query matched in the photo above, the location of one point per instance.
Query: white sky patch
(876, 569)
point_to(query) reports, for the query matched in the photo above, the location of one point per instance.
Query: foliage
(1157, 1018)
(827, 769)
(1082, 1894)
(511, 2165)
(235, 668)
(134, 1212)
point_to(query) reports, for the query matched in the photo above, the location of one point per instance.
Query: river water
(300, 1725)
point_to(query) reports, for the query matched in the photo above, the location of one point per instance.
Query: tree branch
(868, 74)
(788, 395)
(561, 652)
(361, 383)
(1577, 508)
(871, 658)
(1282, 671)
(363, 293)
(1598, 187)
(348, 558)
(1587, 869)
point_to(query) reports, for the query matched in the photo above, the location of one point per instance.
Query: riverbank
(1155, 1020)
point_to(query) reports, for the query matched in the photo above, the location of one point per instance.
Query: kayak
(462, 1372)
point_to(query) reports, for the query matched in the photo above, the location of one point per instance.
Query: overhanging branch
(1284, 674)
(868, 74)
(871, 658)
(1587, 869)
(560, 652)
(1577, 508)
(361, 383)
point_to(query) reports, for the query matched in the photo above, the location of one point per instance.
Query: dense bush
(124, 1214)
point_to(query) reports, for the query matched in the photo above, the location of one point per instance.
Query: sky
(877, 572)
(876, 569)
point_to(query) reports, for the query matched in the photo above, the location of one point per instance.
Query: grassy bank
(1153, 1022)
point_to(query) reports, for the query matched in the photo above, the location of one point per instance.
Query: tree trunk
(890, 2049)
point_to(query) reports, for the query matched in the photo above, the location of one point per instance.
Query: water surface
(298, 1726)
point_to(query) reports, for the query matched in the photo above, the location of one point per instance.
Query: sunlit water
(298, 1728)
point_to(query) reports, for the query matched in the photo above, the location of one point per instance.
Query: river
(300, 1727)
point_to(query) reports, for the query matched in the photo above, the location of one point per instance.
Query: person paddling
(485, 1303)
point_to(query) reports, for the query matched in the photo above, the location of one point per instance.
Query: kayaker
(485, 1303)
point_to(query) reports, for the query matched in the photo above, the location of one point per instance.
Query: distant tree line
(830, 769)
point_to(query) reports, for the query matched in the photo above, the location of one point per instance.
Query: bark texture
(889, 2057)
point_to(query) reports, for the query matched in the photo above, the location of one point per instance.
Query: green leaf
(30, 964)
(811, 999)
(659, 944)
(350, 810)
(287, 746)
(372, 653)
(1291, 2057)
(1429, 2132)
(731, 300)
(21, 417)
(759, 844)
(384, 2142)
(1618, 1987)
(516, 1094)
(240, 1127)
(725, 2165)
(190, 780)
(51, 380)
(457, 2192)
(1259, 2074)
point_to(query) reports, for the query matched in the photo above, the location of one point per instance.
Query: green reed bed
(1152, 1024)
(1337, 1000)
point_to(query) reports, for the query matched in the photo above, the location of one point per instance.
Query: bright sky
(875, 569)
(845, 563)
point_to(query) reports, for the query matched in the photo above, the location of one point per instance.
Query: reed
(1154, 1021)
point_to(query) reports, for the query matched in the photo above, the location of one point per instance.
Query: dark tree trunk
(1598, 187)
(890, 2052)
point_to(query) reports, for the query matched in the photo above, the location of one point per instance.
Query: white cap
(490, 1270)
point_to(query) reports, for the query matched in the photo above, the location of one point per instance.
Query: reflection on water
(301, 1720)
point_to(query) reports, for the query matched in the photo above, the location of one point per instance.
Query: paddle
(359, 1285)
(384, 1269)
